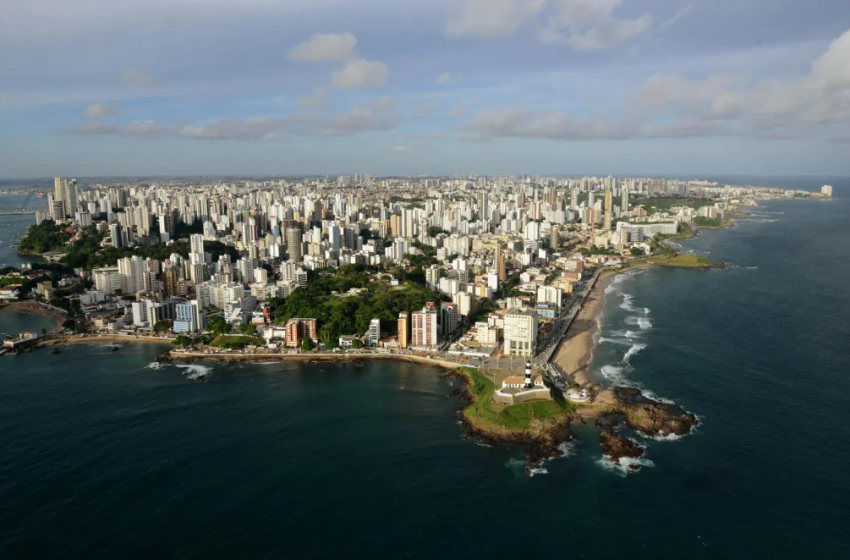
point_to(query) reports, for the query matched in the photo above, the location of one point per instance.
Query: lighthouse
(529, 383)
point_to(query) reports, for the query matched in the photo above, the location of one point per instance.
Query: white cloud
(591, 25)
(315, 99)
(373, 116)
(491, 18)
(447, 78)
(522, 122)
(98, 111)
(682, 12)
(254, 128)
(323, 47)
(400, 149)
(136, 78)
(361, 73)
(821, 98)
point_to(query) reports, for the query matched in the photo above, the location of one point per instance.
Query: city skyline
(636, 87)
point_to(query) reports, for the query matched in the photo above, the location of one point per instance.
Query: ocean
(102, 456)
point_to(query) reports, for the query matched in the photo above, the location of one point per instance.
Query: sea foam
(196, 372)
(632, 352)
(623, 466)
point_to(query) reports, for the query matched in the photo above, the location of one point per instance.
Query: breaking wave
(633, 351)
(625, 465)
(196, 372)
(644, 323)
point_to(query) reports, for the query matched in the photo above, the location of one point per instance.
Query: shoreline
(34, 308)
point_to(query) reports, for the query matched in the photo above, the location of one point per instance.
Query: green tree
(218, 326)
(161, 326)
(637, 252)
(182, 340)
(307, 344)
(357, 343)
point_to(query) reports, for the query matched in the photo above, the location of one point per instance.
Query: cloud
(767, 108)
(315, 99)
(361, 73)
(136, 128)
(254, 128)
(491, 18)
(400, 149)
(136, 78)
(682, 12)
(324, 47)
(462, 109)
(447, 78)
(590, 25)
(523, 122)
(98, 110)
(373, 116)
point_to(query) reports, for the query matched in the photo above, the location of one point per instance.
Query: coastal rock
(651, 417)
(617, 447)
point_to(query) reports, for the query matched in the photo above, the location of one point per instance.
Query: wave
(627, 302)
(154, 365)
(196, 372)
(567, 448)
(536, 471)
(625, 466)
(614, 374)
(632, 352)
(644, 323)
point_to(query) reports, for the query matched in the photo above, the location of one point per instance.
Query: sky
(552, 87)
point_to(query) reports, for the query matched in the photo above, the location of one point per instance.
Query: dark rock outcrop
(652, 417)
(618, 447)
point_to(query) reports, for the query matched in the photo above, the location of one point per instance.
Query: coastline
(33, 308)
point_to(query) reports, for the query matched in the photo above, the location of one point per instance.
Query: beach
(576, 348)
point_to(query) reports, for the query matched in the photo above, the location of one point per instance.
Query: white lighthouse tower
(529, 383)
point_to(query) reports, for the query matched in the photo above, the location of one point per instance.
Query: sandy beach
(575, 350)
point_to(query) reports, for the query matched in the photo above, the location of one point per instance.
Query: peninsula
(496, 279)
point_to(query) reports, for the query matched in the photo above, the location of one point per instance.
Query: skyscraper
(403, 329)
(500, 264)
(624, 203)
(293, 244)
(424, 326)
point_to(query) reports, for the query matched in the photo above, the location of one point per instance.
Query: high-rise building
(424, 326)
(520, 332)
(826, 190)
(609, 202)
(624, 203)
(115, 234)
(373, 335)
(448, 318)
(403, 329)
(293, 244)
(132, 270)
(500, 265)
(574, 198)
(196, 241)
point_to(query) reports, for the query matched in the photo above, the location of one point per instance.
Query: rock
(617, 446)
(652, 417)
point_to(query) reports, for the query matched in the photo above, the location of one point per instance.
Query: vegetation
(235, 342)
(181, 340)
(357, 344)
(689, 260)
(249, 330)
(349, 315)
(44, 237)
(637, 252)
(434, 231)
(218, 326)
(307, 344)
(595, 250)
(88, 254)
(11, 281)
(515, 417)
(709, 222)
(666, 203)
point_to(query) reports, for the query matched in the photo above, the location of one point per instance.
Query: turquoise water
(101, 457)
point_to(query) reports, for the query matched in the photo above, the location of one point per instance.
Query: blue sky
(652, 87)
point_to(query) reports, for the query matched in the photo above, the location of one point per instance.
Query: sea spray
(196, 372)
